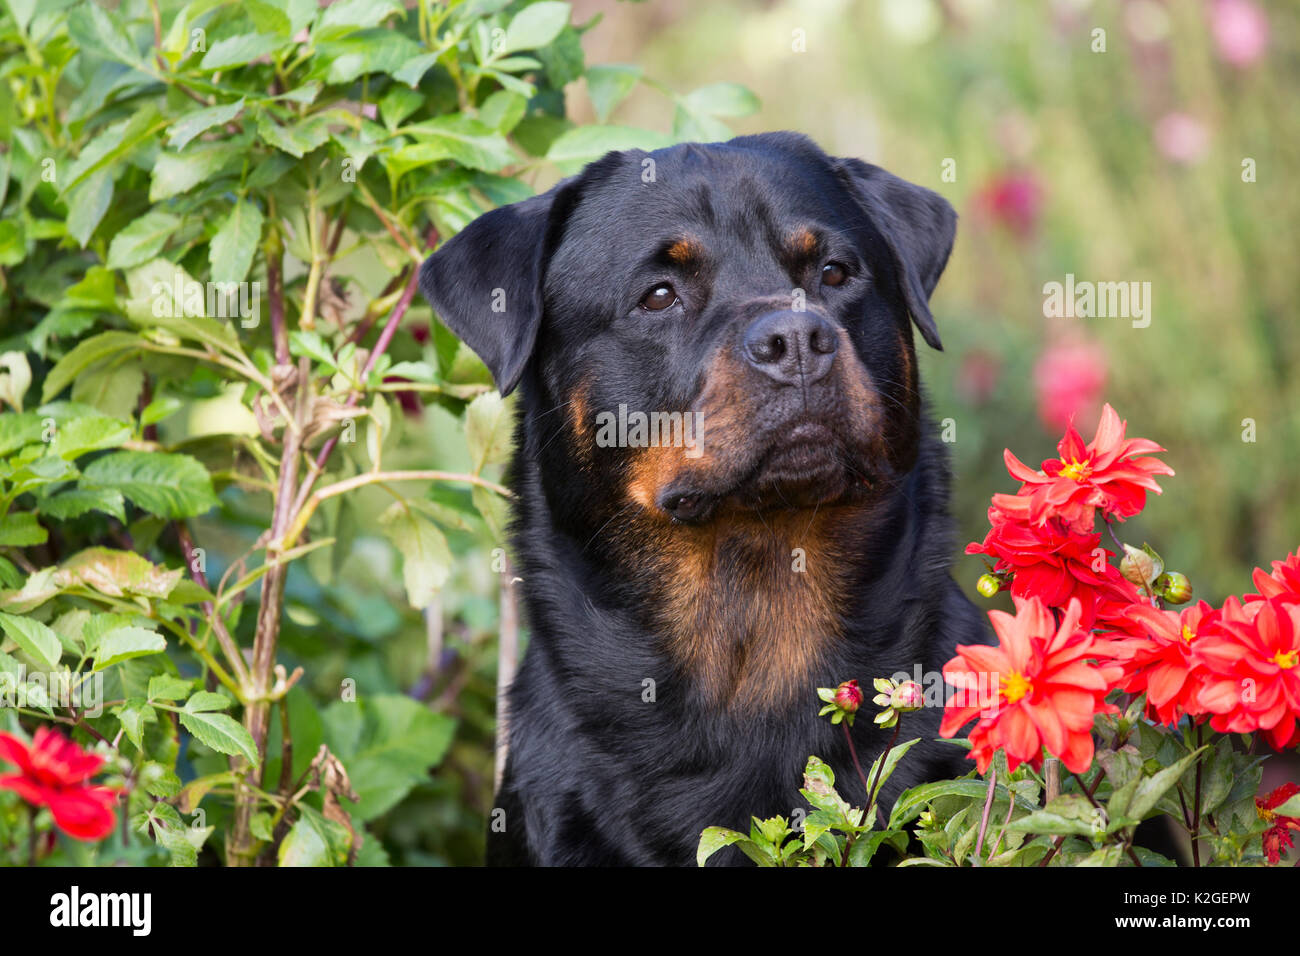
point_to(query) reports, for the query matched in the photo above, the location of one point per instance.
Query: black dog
(686, 598)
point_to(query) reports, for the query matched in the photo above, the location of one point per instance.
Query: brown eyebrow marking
(803, 242)
(685, 250)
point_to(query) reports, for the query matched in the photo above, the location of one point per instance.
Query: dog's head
(726, 326)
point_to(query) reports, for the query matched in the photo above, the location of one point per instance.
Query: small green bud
(988, 585)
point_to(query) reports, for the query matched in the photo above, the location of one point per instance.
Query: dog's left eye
(662, 296)
(834, 273)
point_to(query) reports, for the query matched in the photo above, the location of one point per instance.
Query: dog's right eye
(662, 296)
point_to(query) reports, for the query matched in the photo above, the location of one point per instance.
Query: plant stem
(1196, 807)
(875, 784)
(984, 817)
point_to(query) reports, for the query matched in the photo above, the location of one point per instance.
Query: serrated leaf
(76, 502)
(200, 121)
(176, 173)
(35, 639)
(125, 643)
(231, 250)
(583, 144)
(87, 434)
(164, 484)
(20, 529)
(116, 573)
(141, 240)
(167, 687)
(222, 733)
(609, 85)
(133, 714)
(85, 354)
(713, 839)
(238, 50)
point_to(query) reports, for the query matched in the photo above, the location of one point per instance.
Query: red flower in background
(1112, 473)
(1277, 838)
(1253, 670)
(53, 772)
(1036, 689)
(1163, 665)
(1013, 200)
(1069, 379)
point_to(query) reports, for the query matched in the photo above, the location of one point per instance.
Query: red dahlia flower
(53, 772)
(1055, 564)
(1253, 670)
(1283, 582)
(1112, 473)
(1164, 665)
(1277, 838)
(1036, 689)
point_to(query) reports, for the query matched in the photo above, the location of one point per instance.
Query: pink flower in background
(1181, 138)
(1069, 378)
(977, 376)
(1240, 29)
(1013, 200)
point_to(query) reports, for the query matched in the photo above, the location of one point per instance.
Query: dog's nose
(792, 348)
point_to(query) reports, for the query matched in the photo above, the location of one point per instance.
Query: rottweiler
(728, 491)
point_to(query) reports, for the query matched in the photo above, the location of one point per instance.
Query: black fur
(597, 775)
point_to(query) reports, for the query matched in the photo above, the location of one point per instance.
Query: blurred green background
(1122, 165)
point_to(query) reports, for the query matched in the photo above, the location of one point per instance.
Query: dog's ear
(917, 225)
(485, 283)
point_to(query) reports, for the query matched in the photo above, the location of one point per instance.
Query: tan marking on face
(803, 242)
(684, 251)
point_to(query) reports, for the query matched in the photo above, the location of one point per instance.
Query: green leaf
(1069, 814)
(133, 714)
(111, 144)
(426, 560)
(222, 733)
(175, 173)
(488, 428)
(297, 139)
(126, 643)
(94, 28)
(1152, 788)
(36, 640)
(314, 841)
(200, 121)
(236, 51)
(167, 687)
(713, 839)
(91, 433)
(232, 248)
(460, 138)
(116, 573)
(535, 26)
(313, 346)
(87, 204)
(388, 742)
(85, 354)
(890, 761)
(348, 15)
(141, 240)
(165, 484)
(21, 530)
(585, 143)
(609, 85)
(722, 99)
(76, 502)
(205, 700)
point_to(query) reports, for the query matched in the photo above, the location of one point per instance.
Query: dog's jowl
(728, 493)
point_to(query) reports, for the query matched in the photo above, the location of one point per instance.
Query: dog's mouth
(804, 466)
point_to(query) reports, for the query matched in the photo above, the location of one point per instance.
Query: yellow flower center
(1286, 659)
(1188, 634)
(1015, 687)
(1076, 470)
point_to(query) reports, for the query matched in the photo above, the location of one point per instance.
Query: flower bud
(848, 697)
(1137, 566)
(988, 585)
(1174, 587)
(908, 697)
